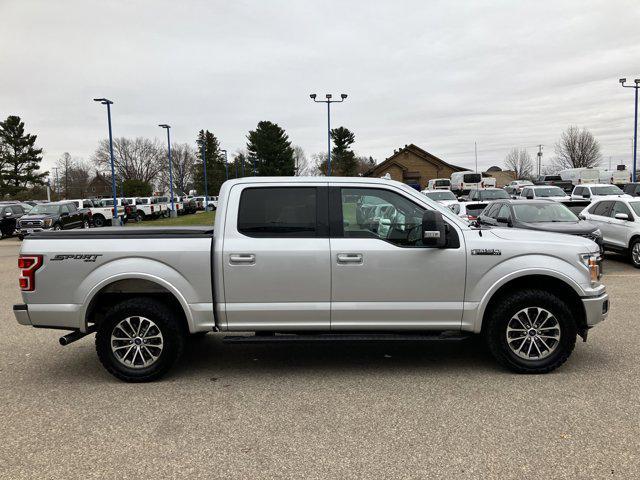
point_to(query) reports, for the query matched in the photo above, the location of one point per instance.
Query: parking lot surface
(442, 410)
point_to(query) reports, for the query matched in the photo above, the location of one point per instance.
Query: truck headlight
(592, 262)
(48, 222)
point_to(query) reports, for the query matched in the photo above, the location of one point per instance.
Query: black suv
(52, 216)
(9, 215)
(542, 215)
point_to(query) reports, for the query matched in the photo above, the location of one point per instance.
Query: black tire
(140, 216)
(634, 244)
(99, 221)
(173, 337)
(57, 226)
(497, 320)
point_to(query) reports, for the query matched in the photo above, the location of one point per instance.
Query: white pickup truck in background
(307, 260)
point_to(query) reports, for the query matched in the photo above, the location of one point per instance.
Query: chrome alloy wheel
(533, 333)
(635, 253)
(136, 342)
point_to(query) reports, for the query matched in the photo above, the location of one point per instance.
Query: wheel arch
(565, 288)
(123, 286)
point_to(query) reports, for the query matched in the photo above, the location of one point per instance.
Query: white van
(439, 184)
(463, 182)
(580, 176)
(615, 177)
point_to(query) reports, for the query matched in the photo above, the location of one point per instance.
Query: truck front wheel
(531, 331)
(139, 340)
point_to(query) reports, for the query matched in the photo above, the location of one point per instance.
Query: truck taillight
(28, 264)
(151, 208)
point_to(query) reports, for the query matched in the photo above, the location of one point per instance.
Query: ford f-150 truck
(294, 260)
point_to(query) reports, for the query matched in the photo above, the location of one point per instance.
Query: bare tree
(135, 159)
(183, 162)
(520, 162)
(577, 149)
(73, 176)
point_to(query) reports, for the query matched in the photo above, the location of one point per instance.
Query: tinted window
(526, 192)
(578, 191)
(491, 211)
(64, 208)
(278, 212)
(600, 208)
(471, 178)
(72, 207)
(504, 212)
(16, 209)
(636, 207)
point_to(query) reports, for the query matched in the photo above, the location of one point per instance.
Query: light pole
(226, 164)
(635, 123)
(328, 101)
(108, 103)
(173, 213)
(206, 190)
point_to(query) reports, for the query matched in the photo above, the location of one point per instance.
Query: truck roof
(381, 181)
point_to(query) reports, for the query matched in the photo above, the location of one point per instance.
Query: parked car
(280, 264)
(596, 191)
(10, 213)
(443, 197)
(463, 182)
(189, 204)
(555, 181)
(124, 209)
(619, 221)
(468, 210)
(52, 216)
(439, 184)
(514, 188)
(145, 207)
(100, 215)
(542, 215)
(541, 191)
(632, 189)
(486, 194)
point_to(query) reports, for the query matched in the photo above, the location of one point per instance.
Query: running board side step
(344, 337)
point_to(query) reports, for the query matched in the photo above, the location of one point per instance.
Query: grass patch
(195, 219)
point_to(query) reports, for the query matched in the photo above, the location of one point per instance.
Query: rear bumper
(596, 309)
(21, 313)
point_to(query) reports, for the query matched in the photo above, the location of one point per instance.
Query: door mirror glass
(433, 230)
(622, 216)
(8, 214)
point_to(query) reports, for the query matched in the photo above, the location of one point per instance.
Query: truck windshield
(543, 212)
(607, 190)
(441, 195)
(44, 208)
(550, 192)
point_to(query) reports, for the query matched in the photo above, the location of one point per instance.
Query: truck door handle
(344, 258)
(242, 259)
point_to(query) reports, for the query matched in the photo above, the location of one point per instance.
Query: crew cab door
(382, 278)
(275, 255)
(620, 230)
(598, 214)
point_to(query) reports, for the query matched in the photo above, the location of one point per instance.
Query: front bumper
(29, 230)
(596, 309)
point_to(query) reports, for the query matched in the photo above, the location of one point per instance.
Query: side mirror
(8, 214)
(385, 221)
(586, 195)
(433, 229)
(529, 197)
(582, 217)
(504, 220)
(622, 216)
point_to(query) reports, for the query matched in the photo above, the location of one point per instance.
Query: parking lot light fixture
(635, 122)
(168, 129)
(328, 101)
(108, 103)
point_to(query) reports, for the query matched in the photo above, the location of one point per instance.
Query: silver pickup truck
(310, 260)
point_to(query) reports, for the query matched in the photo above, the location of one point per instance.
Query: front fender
(481, 289)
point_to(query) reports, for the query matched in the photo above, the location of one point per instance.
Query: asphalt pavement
(441, 410)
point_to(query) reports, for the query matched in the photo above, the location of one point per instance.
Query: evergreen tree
(269, 148)
(216, 173)
(19, 158)
(343, 160)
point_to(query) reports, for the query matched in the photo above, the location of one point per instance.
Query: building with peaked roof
(414, 166)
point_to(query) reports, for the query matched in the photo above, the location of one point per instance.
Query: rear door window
(278, 212)
(600, 208)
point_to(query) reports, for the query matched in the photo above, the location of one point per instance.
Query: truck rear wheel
(531, 331)
(139, 340)
(99, 221)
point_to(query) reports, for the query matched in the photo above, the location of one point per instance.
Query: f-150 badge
(486, 251)
(85, 257)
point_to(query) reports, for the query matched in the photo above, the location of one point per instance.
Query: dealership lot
(322, 411)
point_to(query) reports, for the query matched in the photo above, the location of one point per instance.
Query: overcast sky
(438, 74)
